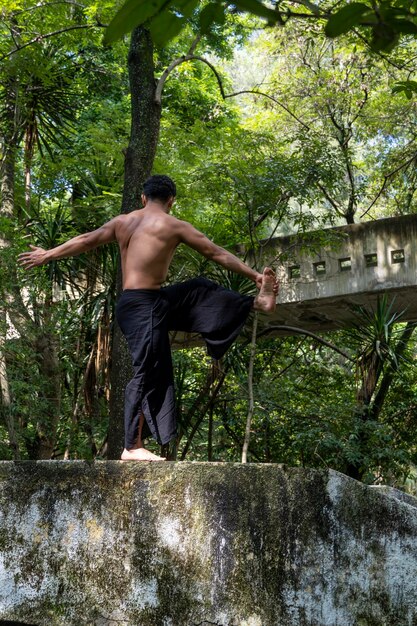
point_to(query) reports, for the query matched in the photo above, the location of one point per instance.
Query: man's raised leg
(139, 452)
(265, 301)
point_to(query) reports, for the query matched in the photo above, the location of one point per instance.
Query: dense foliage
(318, 134)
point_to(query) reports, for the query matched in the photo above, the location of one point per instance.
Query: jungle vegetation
(267, 128)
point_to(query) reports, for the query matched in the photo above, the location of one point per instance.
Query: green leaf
(185, 7)
(257, 8)
(132, 14)
(163, 30)
(345, 19)
(387, 11)
(165, 27)
(409, 87)
(211, 14)
(384, 38)
(404, 26)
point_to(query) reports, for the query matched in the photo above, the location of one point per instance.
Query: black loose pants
(145, 317)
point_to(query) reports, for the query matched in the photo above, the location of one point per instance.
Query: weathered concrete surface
(382, 259)
(181, 544)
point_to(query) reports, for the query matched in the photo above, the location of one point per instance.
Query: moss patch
(177, 544)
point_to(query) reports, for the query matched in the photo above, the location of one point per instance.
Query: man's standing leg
(138, 452)
(141, 321)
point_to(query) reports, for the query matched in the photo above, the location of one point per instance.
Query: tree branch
(175, 63)
(288, 14)
(301, 331)
(193, 57)
(48, 4)
(236, 439)
(309, 5)
(351, 210)
(212, 396)
(330, 199)
(261, 93)
(361, 104)
(377, 52)
(49, 35)
(387, 177)
(195, 43)
(251, 400)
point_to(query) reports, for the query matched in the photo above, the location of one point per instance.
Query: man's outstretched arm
(198, 241)
(72, 247)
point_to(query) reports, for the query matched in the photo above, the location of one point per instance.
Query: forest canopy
(270, 123)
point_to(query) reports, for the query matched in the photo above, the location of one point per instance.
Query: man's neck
(154, 205)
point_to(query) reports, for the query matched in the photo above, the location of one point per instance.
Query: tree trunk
(145, 119)
(139, 158)
(371, 369)
(390, 374)
(250, 390)
(6, 414)
(370, 403)
(49, 368)
(210, 434)
(6, 214)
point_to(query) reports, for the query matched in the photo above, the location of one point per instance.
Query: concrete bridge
(324, 274)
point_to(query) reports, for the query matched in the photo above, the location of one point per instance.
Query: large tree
(146, 110)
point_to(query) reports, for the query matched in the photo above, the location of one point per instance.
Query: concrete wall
(318, 300)
(187, 544)
(389, 239)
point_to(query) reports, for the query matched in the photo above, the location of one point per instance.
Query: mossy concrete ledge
(187, 544)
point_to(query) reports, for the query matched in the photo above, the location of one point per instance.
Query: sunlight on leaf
(132, 14)
(211, 13)
(345, 19)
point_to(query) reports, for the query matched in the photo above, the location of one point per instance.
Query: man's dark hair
(159, 187)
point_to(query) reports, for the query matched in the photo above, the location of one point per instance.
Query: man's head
(160, 188)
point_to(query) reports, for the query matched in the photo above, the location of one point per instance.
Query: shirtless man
(146, 311)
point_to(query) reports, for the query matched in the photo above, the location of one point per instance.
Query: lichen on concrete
(181, 544)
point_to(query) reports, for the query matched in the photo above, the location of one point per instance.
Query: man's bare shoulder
(131, 221)
(125, 217)
(138, 214)
(182, 225)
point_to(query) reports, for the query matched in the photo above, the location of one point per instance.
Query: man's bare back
(147, 239)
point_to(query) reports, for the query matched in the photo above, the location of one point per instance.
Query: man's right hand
(38, 256)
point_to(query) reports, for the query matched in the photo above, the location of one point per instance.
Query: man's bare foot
(140, 454)
(265, 301)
